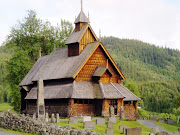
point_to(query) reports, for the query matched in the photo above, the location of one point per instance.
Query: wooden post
(70, 108)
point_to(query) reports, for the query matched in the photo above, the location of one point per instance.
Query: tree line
(26, 38)
(151, 72)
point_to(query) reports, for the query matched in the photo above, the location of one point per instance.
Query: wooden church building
(80, 79)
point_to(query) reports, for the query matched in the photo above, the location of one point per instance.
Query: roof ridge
(129, 91)
(117, 89)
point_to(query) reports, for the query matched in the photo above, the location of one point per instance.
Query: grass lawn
(171, 128)
(101, 128)
(12, 131)
(5, 107)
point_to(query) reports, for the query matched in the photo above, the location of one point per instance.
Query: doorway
(113, 102)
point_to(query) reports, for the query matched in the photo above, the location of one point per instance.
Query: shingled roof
(81, 18)
(58, 65)
(85, 90)
(129, 96)
(100, 70)
(75, 37)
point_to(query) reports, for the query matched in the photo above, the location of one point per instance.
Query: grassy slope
(12, 131)
(171, 128)
(117, 131)
(5, 107)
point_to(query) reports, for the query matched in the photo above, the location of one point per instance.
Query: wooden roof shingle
(52, 92)
(100, 70)
(58, 65)
(76, 36)
(85, 90)
(81, 18)
(129, 96)
(110, 92)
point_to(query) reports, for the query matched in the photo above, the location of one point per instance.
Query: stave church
(80, 79)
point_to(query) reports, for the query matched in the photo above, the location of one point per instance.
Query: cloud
(153, 21)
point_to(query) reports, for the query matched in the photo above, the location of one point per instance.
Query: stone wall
(26, 124)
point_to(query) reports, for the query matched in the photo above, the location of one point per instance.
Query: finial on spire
(39, 52)
(81, 5)
(107, 64)
(99, 34)
(88, 16)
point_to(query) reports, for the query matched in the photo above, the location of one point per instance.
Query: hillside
(5, 55)
(155, 71)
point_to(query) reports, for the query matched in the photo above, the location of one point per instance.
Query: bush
(143, 113)
(130, 118)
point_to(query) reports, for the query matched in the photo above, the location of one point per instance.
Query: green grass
(12, 131)
(171, 128)
(5, 107)
(101, 128)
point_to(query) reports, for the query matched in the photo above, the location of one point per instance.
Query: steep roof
(34, 70)
(52, 92)
(76, 36)
(58, 65)
(129, 96)
(81, 18)
(100, 70)
(110, 92)
(85, 90)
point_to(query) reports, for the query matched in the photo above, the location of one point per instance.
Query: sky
(152, 21)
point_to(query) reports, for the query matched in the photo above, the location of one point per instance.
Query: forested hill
(153, 70)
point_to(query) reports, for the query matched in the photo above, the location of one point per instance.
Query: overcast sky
(153, 21)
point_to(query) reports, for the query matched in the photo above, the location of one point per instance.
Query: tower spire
(99, 34)
(81, 5)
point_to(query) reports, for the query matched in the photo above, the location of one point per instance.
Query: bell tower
(81, 36)
(81, 20)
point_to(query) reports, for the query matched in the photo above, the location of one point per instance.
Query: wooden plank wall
(73, 49)
(98, 58)
(87, 38)
(80, 109)
(131, 109)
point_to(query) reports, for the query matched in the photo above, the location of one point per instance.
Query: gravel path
(6, 133)
(152, 125)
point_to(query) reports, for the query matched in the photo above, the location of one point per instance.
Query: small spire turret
(99, 34)
(81, 5)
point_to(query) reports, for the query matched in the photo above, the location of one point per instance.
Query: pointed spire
(88, 15)
(39, 52)
(99, 34)
(107, 64)
(81, 17)
(81, 5)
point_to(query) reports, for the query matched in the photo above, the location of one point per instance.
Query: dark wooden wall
(51, 106)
